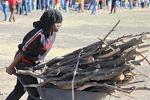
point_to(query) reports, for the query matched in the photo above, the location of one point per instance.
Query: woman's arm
(10, 70)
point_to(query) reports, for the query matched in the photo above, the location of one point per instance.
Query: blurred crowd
(26, 7)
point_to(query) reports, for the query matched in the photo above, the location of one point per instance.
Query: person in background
(4, 4)
(142, 3)
(92, 6)
(52, 4)
(43, 5)
(25, 9)
(113, 6)
(100, 4)
(80, 5)
(47, 4)
(130, 4)
(29, 4)
(57, 4)
(39, 4)
(62, 2)
(19, 7)
(66, 5)
(32, 51)
(34, 5)
(12, 7)
(126, 3)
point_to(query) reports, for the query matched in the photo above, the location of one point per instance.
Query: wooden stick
(28, 72)
(106, 43)
(111, 30)
(144, 57)
(111, 86)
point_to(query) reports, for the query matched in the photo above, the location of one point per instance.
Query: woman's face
(56, 27)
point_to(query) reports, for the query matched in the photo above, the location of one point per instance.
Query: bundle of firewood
(102, 65)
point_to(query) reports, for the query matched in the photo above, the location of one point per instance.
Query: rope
(75, 72)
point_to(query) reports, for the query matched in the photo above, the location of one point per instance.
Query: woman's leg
(26, 80)
(17, 93)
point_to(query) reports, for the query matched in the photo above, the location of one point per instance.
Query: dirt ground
(77, 30)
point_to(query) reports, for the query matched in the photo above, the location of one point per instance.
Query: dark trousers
(19, 90)
(100, 4)
(19, 8)
(12, 11)
(113, 8)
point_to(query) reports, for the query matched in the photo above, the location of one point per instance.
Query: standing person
(19, 7)
(130, 4)
(126, 3)
(92, 6)
(66, 5)
(142, 3)
(80, 2)
(33, 49)
(29, 5)
(52, 4)
(25, 7)
(34, 5)
(62, 2)
(39, 4)
(47, 4)
(43, 5)
(100, 4)
(73, 3)
(113, 6)
(12, 6)
(4, 4)
(57, 4)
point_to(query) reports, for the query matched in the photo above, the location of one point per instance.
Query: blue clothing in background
(5, 10)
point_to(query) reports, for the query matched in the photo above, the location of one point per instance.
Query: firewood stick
(144, 46)
(109, 74)
(68, 84)
(31, 73)
(144, 51)
(141, 73)
(133, 88)
(106, 43)
(109, 54)
(111, 30)
(132, 42)
(111, 86)
(143, 57)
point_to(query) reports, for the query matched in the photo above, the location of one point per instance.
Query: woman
(33, 50)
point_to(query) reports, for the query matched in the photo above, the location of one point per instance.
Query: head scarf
(48, 18)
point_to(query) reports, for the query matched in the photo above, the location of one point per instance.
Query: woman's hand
(10, 70)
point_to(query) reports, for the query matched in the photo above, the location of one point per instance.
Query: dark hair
(48, 18)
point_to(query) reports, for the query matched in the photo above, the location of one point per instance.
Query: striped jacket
(36, 44)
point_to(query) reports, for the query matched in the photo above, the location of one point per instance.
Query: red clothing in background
(57, 1)
(12, 2)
